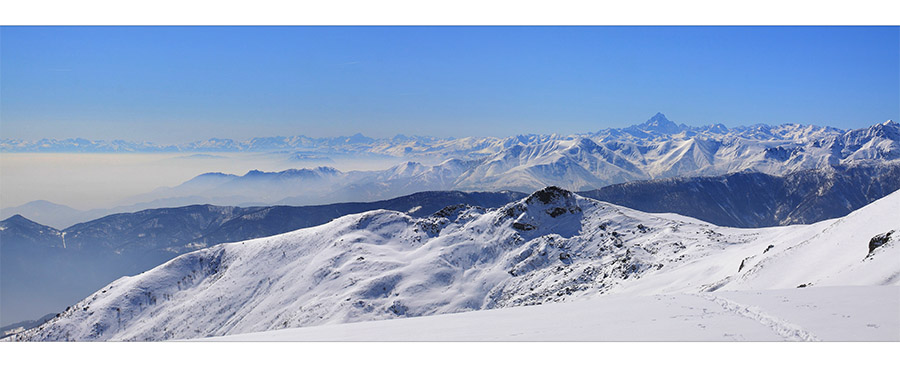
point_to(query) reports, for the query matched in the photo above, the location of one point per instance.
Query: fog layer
(90, 181)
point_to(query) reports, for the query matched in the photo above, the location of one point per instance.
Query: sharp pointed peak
(660, 124)
(659, 119)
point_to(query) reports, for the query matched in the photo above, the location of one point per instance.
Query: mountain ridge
(44, 269)
(525, 163)
(657, 124)
(753, 199)
(577, 163)
(549, 247)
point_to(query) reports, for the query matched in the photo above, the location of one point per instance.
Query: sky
(171, 85)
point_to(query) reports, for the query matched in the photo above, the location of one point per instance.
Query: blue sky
(179, 84)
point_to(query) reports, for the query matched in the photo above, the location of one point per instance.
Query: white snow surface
(867, 313)
(551, 247)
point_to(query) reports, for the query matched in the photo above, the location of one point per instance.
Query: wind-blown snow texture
(550, 247)
(44, 270)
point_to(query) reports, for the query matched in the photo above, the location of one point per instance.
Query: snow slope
(550, 247)
(43, 270)
(811, 314)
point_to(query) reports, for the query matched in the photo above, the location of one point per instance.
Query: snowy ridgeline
(44, 270)
(550, 247)
(653, 150)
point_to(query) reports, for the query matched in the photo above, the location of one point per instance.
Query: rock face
(879, 240)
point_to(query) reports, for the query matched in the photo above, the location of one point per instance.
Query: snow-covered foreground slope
(550, 247)
(867, 313)
(43, 270)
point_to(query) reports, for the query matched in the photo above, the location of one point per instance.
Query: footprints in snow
(786, 330)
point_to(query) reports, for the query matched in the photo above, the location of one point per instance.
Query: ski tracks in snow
(786, 330)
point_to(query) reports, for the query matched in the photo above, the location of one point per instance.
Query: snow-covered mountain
(753, 199)
(655, 149)
(342, 144)
(399, 145)
(51, 214)
(552, 246)
(661, 149)
(43, 269)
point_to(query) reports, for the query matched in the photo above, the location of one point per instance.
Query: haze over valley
(304, 171)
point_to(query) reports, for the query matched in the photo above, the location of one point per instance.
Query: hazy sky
(179, 84)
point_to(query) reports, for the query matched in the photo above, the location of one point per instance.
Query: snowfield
(614, 266)
(808, 314)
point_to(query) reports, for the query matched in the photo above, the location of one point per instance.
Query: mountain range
(753, 199)
(656, 149)
(655, 129)
(740, 199)
(552, 246)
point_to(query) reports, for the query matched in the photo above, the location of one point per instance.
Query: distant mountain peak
(359, 138)
(888, 130)
(659, 116)
(302, 172)
(659, 120)
(45, 205)
(214, 174)
(660, 124)
(19, 220)
(326, 169)
(16, 218)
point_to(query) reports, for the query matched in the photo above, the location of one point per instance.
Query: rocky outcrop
(878, 241)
